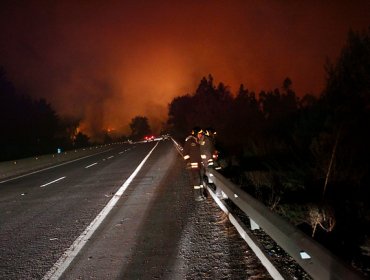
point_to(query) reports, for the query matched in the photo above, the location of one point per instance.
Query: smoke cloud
(109, 61)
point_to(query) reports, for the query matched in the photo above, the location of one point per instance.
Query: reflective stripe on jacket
(192, 150)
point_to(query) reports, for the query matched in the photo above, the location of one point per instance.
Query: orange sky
(108, 61)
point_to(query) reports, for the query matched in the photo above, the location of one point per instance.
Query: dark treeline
(306, 158)
(140, 128)
(31, 127)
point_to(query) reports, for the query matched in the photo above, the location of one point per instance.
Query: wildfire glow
(121, 59)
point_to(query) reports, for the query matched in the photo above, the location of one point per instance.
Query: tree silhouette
(243, 122)
(81, 140)
(179, 118)
(28, 127)
(204, 108)
(139, 127)
(346, 100)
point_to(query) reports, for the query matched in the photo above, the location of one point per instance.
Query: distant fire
(82, 128)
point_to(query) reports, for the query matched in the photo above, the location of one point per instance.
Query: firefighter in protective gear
(211, 156)
(203, 155)
(207, 148)
(212, 137)
(194, 162)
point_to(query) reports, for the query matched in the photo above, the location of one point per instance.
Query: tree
(139, 127)
(346, 99)
(28, 127)
(245, 113)
(206, 107)
(339, 145)
(179, 120)
(348, 83)
(81, 140)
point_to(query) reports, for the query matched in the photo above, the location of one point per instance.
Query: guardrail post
(254, 225)
(316, 260)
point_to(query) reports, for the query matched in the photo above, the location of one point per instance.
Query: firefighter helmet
(210, 132)
(196, 130)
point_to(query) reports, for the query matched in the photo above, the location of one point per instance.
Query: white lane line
(110, 157)
(91, 165)
(61, 178)
(65, 260)
(120, 153)
(51, 167)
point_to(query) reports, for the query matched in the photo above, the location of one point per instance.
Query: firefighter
(203, 145)
(208, 150)
(193, 160)
(211, 156)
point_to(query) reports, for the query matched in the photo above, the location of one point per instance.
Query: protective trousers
(196, 182)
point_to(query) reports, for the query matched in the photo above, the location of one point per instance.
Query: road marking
(110, 157)
(61, 178)
(51, 167)
(120, 153)
(65, 260)
(91, 165)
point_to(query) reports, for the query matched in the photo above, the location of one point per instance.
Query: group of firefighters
(199, 153)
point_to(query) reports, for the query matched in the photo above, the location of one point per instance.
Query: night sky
(108, 61)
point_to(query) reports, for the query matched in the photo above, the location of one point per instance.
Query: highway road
(126, 213)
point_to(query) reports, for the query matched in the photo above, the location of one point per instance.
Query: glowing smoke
(106, 63)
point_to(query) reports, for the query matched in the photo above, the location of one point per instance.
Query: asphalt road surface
(155, 230)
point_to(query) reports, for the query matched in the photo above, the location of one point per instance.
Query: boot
(219, 193)
(197, 195)
(203, 192)
(204, 180)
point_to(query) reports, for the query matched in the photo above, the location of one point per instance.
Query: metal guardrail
(316, 260)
